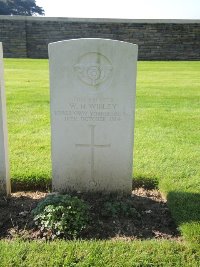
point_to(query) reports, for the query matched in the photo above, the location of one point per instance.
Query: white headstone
(4, 166)
(92, 85)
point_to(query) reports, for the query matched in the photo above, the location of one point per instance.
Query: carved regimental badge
(93, 69)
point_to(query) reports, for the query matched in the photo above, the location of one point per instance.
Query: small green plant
(118, 208)
(61, 215)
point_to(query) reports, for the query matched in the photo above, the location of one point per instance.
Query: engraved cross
(92, 146)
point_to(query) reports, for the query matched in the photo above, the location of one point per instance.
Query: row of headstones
(92, 89)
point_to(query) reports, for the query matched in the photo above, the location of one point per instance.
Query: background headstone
(4, 166)
(92, 114)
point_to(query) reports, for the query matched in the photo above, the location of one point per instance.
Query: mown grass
(96, 253)
(166, 151)
(27, 88)
(167, 137)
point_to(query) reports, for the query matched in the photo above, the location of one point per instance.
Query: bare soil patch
(154, 220)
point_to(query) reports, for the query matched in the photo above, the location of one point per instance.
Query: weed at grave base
(61, 216)
(91, 216)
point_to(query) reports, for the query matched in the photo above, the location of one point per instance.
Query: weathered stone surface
(4, 166)
(92, 114)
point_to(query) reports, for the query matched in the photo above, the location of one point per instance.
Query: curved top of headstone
(92, 40)
(92, 60)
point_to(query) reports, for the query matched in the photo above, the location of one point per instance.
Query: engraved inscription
(91, 109)
(93, 69)
(92, 146)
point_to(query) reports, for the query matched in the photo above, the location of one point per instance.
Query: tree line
(20, 7)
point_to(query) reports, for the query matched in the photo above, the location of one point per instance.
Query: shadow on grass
(185, 206)
(146, 183)
(44, 184)
(31, 184)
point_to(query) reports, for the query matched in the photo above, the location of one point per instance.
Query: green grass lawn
(166, 152)
(97, 253)
(27, 89)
